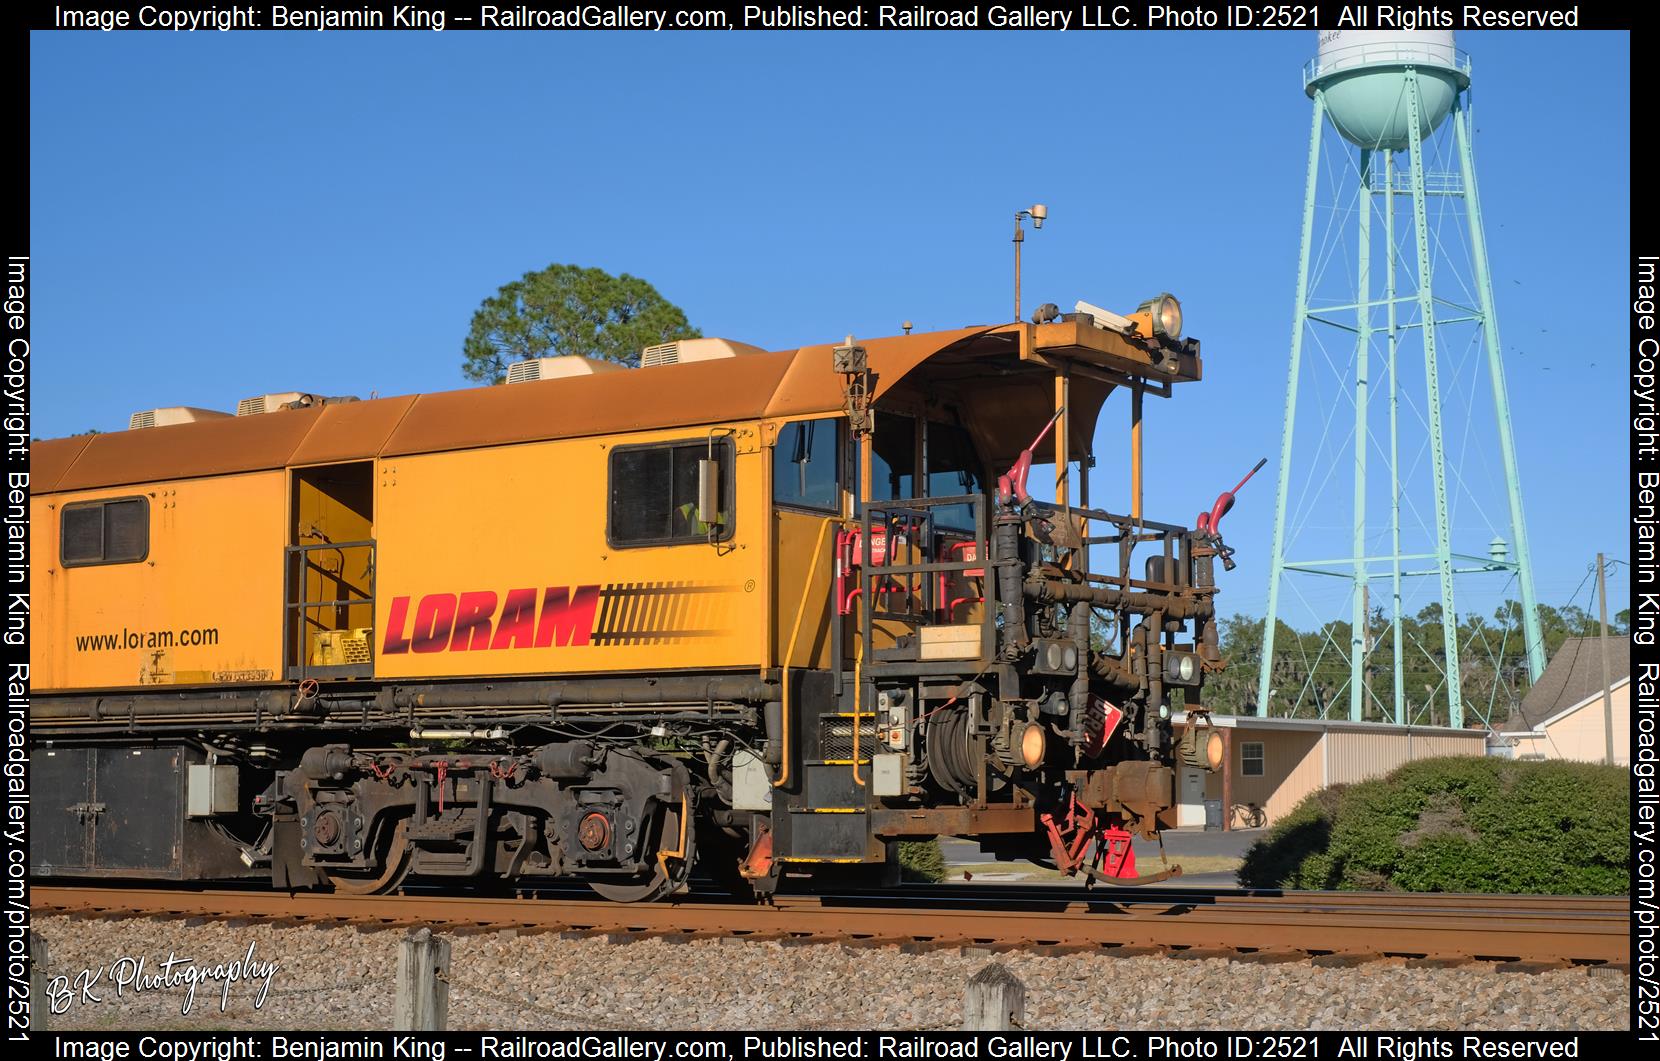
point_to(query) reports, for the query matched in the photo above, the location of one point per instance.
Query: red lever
(1013, 482)
(1211, 522)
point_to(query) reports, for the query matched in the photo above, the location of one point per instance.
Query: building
(1272, 763)
(1563, 715)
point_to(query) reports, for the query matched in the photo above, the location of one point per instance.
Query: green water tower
(1365, 75)
(1390, 95)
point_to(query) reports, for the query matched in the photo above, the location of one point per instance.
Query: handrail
(1360, 56)
(789, 653)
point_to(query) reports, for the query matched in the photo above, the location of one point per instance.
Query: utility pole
(1602, 643)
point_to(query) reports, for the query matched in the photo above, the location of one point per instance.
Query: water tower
(1393, 269)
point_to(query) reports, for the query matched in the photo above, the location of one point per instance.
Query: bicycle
(1249, 816)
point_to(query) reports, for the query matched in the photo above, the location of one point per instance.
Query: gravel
(342, 978)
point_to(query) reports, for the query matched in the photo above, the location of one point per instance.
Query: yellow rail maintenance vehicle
(761, 613)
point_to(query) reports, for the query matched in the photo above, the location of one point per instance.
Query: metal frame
(293, 631)
(1419, 186)
(868, 575)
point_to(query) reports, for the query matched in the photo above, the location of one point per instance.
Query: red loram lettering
(566, 616)
(517, 628)
(472, 621)
(468, 623)
(433, 621)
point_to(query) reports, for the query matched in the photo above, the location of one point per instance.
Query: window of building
(804, 472)
(654, 493)
(106, 532)
(1251, 758)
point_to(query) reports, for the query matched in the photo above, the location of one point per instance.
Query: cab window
(953, 470)
(893, 458)
(106, 532)
(804, 466)
(654, 493)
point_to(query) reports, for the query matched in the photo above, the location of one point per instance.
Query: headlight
(1201, 746)
(1069, 658)
(1033, 743)
(1166, 313)
(1181, 668)
(1213, 751)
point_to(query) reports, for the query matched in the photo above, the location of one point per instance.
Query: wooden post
(423, 998)
(40, 1006)
(1227, 778)
(994, 1001)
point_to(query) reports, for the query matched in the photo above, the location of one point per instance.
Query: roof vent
(172, 414)
(683, 351)
(270, 403)
(535, 368)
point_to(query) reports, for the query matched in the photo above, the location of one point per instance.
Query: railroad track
(1521, 931)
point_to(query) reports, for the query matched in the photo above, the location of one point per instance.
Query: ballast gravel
(340, 978)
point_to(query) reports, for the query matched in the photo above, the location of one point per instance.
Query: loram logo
(485, 620)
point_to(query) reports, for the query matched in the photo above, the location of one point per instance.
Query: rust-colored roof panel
(48, 461)
(700, 392)
(352, 430)
(187, 451)
(812, 386)
(746, 387)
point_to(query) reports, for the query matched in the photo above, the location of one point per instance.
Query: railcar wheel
(395, 867)
(666, 875)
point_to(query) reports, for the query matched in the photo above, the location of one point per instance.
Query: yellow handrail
(789, 654)
(679, 852)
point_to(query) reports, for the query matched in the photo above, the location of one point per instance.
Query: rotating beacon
(1389, 95)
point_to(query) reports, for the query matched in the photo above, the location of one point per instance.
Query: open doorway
(331, 572)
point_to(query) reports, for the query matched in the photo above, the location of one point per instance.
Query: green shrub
(1289, 855)
(921, 861)
(1460, 824)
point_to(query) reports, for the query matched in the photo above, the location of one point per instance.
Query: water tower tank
(1363, 74)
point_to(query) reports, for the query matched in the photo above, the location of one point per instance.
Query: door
(1190, 808)
(331, 572)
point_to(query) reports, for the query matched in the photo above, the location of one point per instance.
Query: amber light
(1033, 743)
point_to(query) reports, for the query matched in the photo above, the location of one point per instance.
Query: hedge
(1460, 824)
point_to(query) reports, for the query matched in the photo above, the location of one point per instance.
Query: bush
(921, 861)
(1460, 824)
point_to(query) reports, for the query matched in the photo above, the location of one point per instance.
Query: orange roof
(745, 387)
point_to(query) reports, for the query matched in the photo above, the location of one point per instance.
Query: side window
(654, 493)
(804, 472)
(105, 532)
(1251, 758)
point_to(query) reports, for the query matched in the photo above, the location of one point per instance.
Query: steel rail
(1526, 929)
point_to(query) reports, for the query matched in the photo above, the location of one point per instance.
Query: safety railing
(1359, 56)
(301, 614)
(904, 565)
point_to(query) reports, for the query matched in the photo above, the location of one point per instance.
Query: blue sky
(221, 215)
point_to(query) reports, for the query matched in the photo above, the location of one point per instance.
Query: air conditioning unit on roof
(683, 351)
(170, 415)
(534, 368)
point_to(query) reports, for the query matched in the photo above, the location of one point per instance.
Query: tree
(566, 309)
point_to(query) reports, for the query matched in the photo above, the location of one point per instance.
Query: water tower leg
(1501, 401)
(1394, 438)
(1432, 382)
(1363, 349)
(1299, 321)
